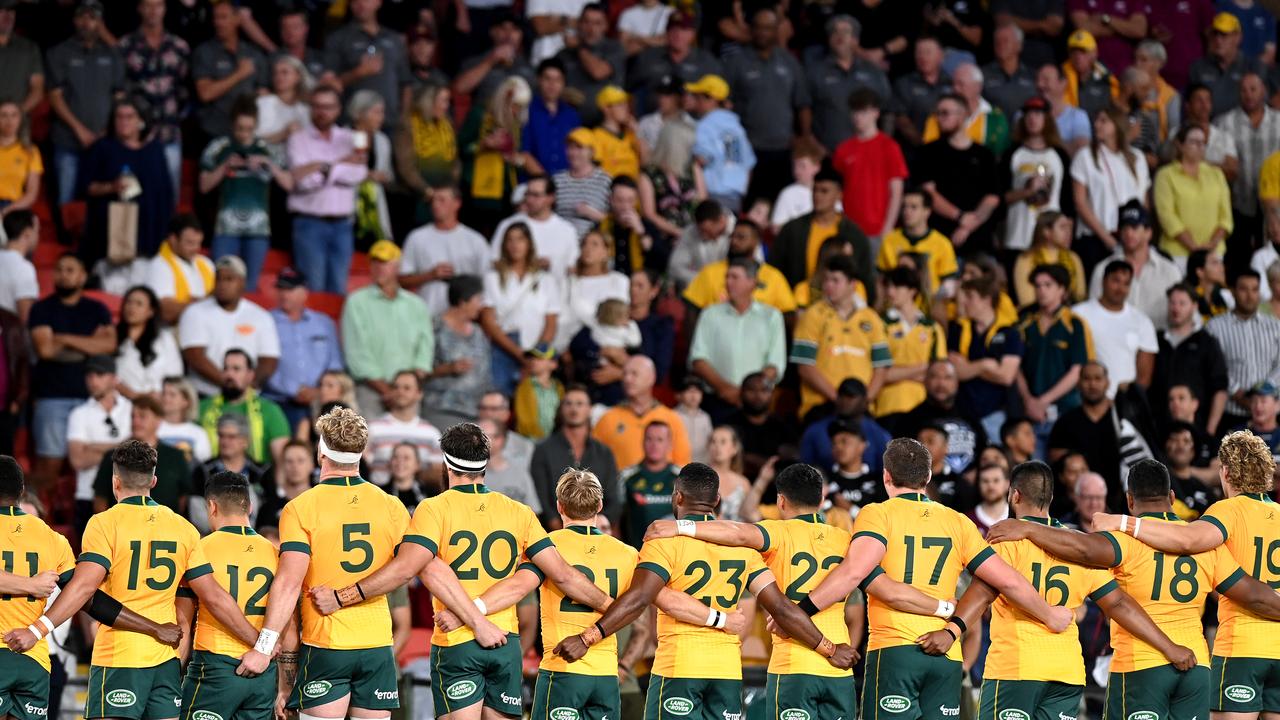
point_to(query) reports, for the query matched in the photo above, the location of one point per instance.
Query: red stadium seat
(418, 647)
(328, 303)
(73, 214)
(112, 302)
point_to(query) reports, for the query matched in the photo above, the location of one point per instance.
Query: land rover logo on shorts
(460, 689)
(793, 714)
(316, 688)
(205, 715)
(678, 705)
(1014, 714)
(894, 703)
(1144, 715)
(564, 713)
(121, 698)
(1239, 693)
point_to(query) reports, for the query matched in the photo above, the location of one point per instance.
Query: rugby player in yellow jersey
(587, 689)
(244, 563)
(926, 545)
(697, 672)
(801, 549)
(1031, 673)
(138, 551)
(1172, 588)
(29, 545)
(482, 536)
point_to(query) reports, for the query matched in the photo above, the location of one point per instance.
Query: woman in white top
(285, 110)
(725, 453)
(146, 353)
(368, 112)
(179, 429)
(1036, 166)
(590, 283)
(522, 306)
(1104, 176)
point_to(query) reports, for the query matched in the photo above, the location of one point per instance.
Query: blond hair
(1247, 461)
(613, 312)
(343, 429)
(580, 494)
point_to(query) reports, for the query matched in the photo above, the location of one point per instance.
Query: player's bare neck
(696, 509)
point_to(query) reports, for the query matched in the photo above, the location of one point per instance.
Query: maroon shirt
(1182, 23)
(1115, 51)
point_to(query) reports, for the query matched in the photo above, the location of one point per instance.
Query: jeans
(67, 164)
(322, 249)
(506, 369)
(250, 248)
(49, 425)
(173, 158)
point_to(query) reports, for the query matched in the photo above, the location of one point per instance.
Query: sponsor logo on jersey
(1064, 716)
(678, 705)
(949, 711)
(1144, 715)
(121, 698)
(460, 689)
(1014, 714)
(794, 714)
(34, 711)
(894, 703)
(731, 716)
(564, 713)
(386, 694)
(205, 715)
(1240, 693)
(316, 688)
(511, 700)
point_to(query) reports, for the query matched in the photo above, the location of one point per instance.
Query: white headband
(465, 466)
(338, 456)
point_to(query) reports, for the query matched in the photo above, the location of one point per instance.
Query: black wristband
(361, 591)
(808, 607)
(603, 634)
(959, 623)
(337, 598)
(947, 630)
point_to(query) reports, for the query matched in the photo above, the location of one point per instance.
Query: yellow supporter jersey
(938, 253)
(1021, 647)
(607, 562)
(29, 547)
(1251, 528)
(1172, 589)
(244, 564)
(801, 552)
(147, 550)
(483, 536)
(839, 347)
(917, 343)
(708, 287)
(350, 528)
(715, 575)
(927, 545)
(617, 154)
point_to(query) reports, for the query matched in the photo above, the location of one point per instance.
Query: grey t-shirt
(767, 92)
(576, 77)
(213, 60)
(88, 78)
(21, 60)
(830, 87)
(347, 47)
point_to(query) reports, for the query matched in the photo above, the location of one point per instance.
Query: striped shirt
(1252, 348)
(1253, 145)
(387, 432)
(571, 192)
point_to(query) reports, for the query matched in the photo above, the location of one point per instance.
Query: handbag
(122, 232)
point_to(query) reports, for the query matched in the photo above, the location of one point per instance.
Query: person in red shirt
(873, 169)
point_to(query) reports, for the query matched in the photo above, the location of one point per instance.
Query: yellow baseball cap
(611, 95)
(384, 251)
(713, 86)
(581, 136)
(1082, 40)
(1226, 23)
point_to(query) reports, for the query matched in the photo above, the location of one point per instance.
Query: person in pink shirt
(873, 169)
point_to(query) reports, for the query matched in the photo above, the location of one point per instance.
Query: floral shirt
(160, 75)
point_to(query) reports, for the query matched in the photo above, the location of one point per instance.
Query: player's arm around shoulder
(1095, 550)
(1198, 536)
(719, 532)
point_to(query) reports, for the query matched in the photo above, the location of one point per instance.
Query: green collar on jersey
(585, 529)
(918, 497)
(143, 500)
(237, 530)
(343, 481)
(1260, 497)
(1160, 515)
(11, 510)
(810, 518)
(474, 488)
(1042, 520)
(698, 517)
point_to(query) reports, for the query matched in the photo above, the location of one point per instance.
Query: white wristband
(484, 610)
(35, 631)
(1124, 523)
(47, 622)
(686, 527)
(266, 641)
(721, 620)
(1137, 523)
(711, 618)
(946, 609)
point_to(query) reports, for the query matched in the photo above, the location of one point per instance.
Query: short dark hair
(1183, 287)
(699, 482)
(707, 210)
(828, 174)
(150, 404)
(134, 462)
(908, 462)
(863, 99)
(551, 63)
(1194, 88)
(1034, 480)
(595, 7)
(982, 286)
(625, 181)
(748, 224)
(801, 484)
(903, 277)
(244, 106)
(466, 441)
(548, 182)
(183, 222)
(839, 426)
(1149, 480)
(230, 489)
(656, 424)
(417, 381)
(1057, 70)
(953, 97)
(925, 198)
(1056, 273)
(464, 287)
(238, 351)
(18, 222)
(1246, 273)
(842, 264)
(1179, 426)
(12, 482)
(1010, 426)
(746, 264)
(1117, 266)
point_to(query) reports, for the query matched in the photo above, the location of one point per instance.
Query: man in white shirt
(704, 242)
(19, 288)
(95, 427)
(179, 275)
(223, 322)
(554, 238)
(1124, 339)
(1152, 273)
(402, 424)
(1264, 256)
(434, 253)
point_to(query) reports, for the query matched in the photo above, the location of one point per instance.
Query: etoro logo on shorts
(793, 714)
(1014, 714)
(564, 713)
(460, 689)
(205, 715)
(121, 698)
(895, 703)
(1144, 715)
(317, 688)
(1239, 693)
(678, 705)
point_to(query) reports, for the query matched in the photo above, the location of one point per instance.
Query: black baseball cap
(100, 364)
(289, 278)
(670, 85)
(1132, 213)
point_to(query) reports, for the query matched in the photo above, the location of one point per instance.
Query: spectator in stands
(1220, 150)
(696, 421)
(679, 60)
(703, 242)
(772, 288)
(1261, 262)
(670, 108)
(481, 75)
(795, 251)
(1118, 24)
(671, 183)
(551, 118)
(993, 497)
(591, 59)
(179, 275)
(158, 67)
(441, 250)
(1105, 176)
(835, 79)
(621, 427)
(582, 191)
(462, 356)
(1264, 403)
(308, 348)
(1091, 86)
(1124, 338)
(502, 475)
(1254, 128)
(1090, 498)
(293, 476)
(618, 149)
(984, 124)
(268, 427)
(1050, 245)
(537, 394)
(1162, 100)
(24, 79)
(20, 181)
(763, 432)
(522, 304)
(368, 113)
(172, 472)
(66, 329)
(873, 168)
(369, 56)
(1008, 82)
(180, 408)
(636, 243)
(1249, 341)
(796, 199)
(649, 484)
(327, 166)
(1018, 436)
(850, 406)
(225, 68)
(426, 150)
(146, 351)
(1072, 122)
(242, 168)
(965, 433)
(284, 111)
(405, 473)
(402, 423)
(85, 77)
(850, 483)
(126, 164)
(961, 177)
(231, 456)
(918, 92)
(1057, 345)
(915, 340)
(1223, 67)
(295, 29)
(1192, 199)
(590, 283)
(15, 376)
(725, 457)
(555, 239)
(227, 320)
(946, 486)
(657, 331)
(1207, 274)
(644, 25)
(497, 407)
(1188, 355)
(1153, 273)
(1093, 428)
(1042, 21)
(985, 352)
(18, 285)
(720, 145)
(1192, 496)
(915, 237)
(1034, 175)
(572, 446)
(93, 428)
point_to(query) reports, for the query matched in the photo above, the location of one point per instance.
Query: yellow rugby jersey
(244, 564)
(1251, 529)
(147, 550)
(839, 347)
(607, 562)
(1022, 648)
(926, 546)
(1172, 589)
(801, 552)
(350, 528)
(715, 575)
(29, 547)
(708, 287)
(938, 253)
(919, 342)
(483, 536)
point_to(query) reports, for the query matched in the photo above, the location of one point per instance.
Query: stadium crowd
(627, 236)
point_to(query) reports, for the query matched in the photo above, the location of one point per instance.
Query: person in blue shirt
(308, 348)
(851, 407)
(720, 143)
(550, 119)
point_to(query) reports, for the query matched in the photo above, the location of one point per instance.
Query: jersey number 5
(155, 561)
